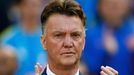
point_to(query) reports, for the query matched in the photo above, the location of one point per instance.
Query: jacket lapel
(44, 72)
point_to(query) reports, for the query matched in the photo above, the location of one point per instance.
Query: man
(63, 27)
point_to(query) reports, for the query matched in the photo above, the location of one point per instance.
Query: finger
(103, 73)
(113, 70)
(107, 71)
(38, 69)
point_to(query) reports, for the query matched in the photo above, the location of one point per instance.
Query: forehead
(62, 22)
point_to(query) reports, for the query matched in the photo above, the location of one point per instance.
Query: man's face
(64, 39)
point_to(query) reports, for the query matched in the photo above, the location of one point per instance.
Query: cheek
(53, 46)
(79, 45)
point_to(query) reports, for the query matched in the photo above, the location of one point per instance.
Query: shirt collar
(49, 72)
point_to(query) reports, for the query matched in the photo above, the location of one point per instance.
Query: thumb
(38, 69)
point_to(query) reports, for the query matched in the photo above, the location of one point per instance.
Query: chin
(69, 62)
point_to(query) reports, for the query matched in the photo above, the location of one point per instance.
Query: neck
(64, 70)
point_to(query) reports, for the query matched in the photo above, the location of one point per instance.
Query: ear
(43, 41)
(83, 45)
(84, 41)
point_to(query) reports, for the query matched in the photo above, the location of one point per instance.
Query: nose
(68, 42)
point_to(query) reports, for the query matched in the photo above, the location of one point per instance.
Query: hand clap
(108, 71)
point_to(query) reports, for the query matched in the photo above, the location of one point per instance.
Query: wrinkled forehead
(64, 23)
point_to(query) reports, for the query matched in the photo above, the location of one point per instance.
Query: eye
(58, 35)
(76, 35)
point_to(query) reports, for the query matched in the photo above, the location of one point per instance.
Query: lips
(68, 53)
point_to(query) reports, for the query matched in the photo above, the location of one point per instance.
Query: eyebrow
(60, 31)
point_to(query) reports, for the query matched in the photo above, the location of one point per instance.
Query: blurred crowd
(109, 36)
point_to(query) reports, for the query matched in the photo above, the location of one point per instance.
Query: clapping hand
(104, 70)
(38, 69)
(108, 71)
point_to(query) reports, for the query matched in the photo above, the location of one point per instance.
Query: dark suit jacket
(45, 73)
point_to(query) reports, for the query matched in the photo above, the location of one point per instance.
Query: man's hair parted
(64, 7)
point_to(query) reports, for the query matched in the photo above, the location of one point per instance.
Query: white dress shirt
(49, 72)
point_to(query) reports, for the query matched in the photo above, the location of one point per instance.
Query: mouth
(68, 53)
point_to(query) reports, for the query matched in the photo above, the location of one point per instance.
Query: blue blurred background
(109, 35)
